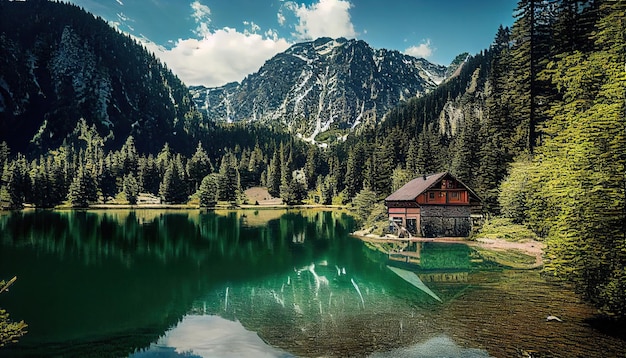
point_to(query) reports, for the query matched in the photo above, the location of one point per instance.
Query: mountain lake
(271, 283)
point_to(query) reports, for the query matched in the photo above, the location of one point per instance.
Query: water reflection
(206, 336)
(210, 336)
(125, 277)
(436, 347)
(275, 283)
(330, 307)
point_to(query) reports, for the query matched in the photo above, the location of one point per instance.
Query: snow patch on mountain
(321, 85)
(324, 48)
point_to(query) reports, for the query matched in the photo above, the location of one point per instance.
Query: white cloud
(201, 12)
(225, 55)
(252, 27)
(281, 18)
(423, 50)
(202, 15)
(221, 56)
(327, 18)
(271, 34)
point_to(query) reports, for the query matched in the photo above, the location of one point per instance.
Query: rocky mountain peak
(322, 85)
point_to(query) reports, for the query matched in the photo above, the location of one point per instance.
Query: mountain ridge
(321, 85)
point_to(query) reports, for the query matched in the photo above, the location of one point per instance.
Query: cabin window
(447, 184)
(455, 195)
(431, 195)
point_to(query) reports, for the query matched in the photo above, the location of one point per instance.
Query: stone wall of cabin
(445, 220)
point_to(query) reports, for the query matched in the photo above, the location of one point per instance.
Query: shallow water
(269, 284)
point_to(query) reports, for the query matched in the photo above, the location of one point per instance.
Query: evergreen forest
(535, 123)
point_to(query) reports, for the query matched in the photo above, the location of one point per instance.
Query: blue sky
(213, 42)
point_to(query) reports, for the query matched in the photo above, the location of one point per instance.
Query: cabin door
(411, 226)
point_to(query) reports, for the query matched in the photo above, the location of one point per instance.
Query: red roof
(411, 190)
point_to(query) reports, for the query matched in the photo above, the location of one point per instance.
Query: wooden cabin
(433, 206)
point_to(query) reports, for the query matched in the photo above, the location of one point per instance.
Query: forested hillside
(572, 188)
(536, 124)
(59, 64)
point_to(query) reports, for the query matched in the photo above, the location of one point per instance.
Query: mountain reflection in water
(436, 347)
(212, 336)
(209, 336)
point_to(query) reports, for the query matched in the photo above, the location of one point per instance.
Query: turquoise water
(268, 283)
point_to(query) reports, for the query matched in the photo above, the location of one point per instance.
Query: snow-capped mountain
(320, 85)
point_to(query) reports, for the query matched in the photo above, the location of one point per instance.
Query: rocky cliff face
(321, 85)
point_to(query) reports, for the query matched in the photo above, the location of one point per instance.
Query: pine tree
(328, 189)
(412, 157)
(273, 175)
(4, 156)
(6, 198)
(173, 188)
(129, 157)
(311, 167)
(163, 159)
(256, 164)
(83, 188)
(465, 160)
(198, 167)
(245, 176)
(131, 188)
(498, 103)
(381, 167)
(295, 191)
(59, 175)
(230, 185)
(16, 184)
(41, 184)
(492, 168)
(209, 190)
(531, 37)
(286, 169)
(149, 175)
(400, 177)
(425, 153)
(337, 169)
(353, 179)
(108, 182)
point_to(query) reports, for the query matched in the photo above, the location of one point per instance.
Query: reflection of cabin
(434, 205)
